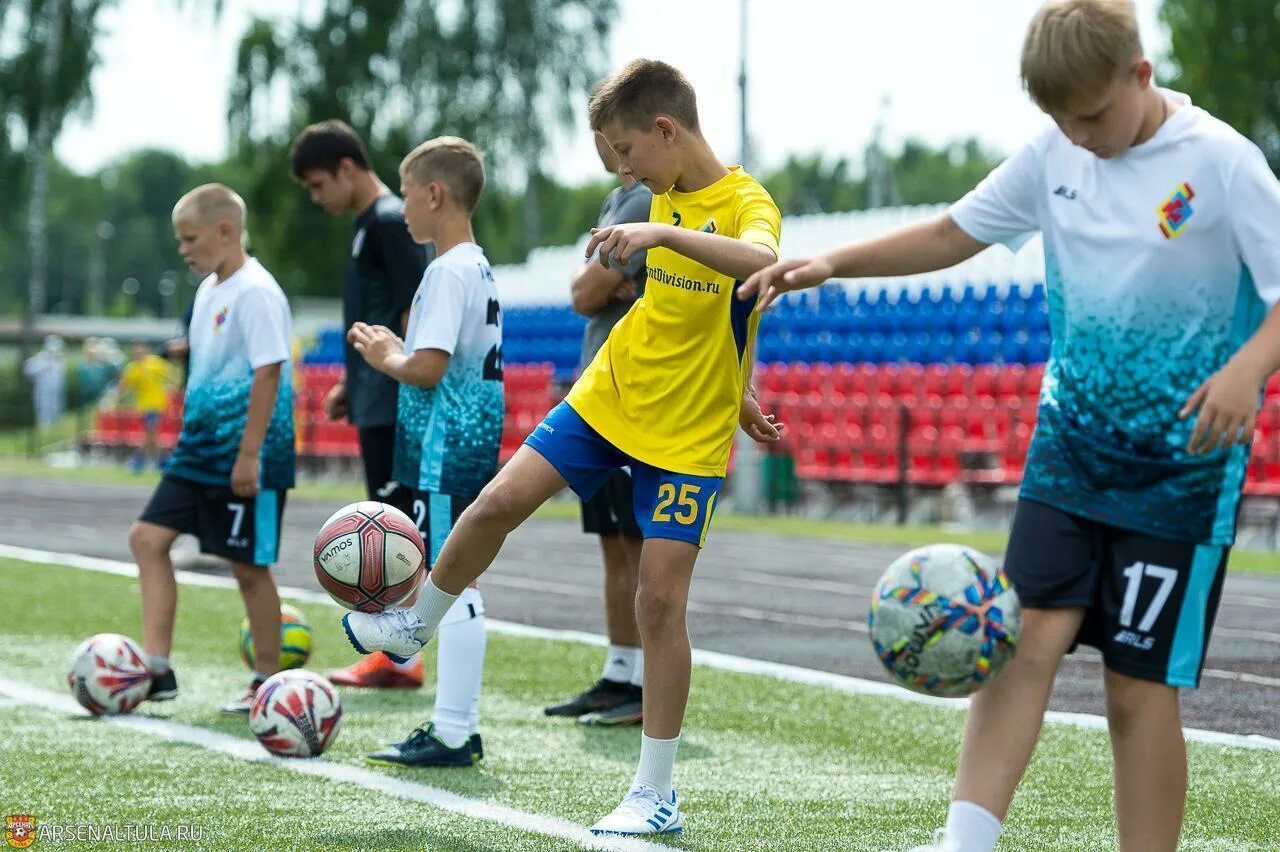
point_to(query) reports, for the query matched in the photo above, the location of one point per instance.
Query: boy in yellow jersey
(146, 378)
(662, 396)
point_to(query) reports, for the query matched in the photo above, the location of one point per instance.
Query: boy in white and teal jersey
(448, 419)
(226, 481)
(1162, 264)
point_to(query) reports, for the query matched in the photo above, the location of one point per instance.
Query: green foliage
(924, 175)
(1224, 56)
(501, 73)
(940, 175)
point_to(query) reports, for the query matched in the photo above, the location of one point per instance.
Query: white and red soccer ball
(296, 713)
(369, 556)
(108, 674)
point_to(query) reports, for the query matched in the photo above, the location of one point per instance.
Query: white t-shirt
(237, 326)
(447, 437)
(1159, 265)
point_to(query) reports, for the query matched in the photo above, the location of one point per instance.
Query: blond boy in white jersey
(1162, 262)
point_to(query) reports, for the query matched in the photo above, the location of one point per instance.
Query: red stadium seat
(958, 381)
(1009, 380)
(984, 380)
(1032, 379)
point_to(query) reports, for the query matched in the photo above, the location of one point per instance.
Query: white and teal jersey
(1159, 264)
(447, 437)
(237, 326)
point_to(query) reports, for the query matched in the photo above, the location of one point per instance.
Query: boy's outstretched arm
(726, 255)
(385, 353)
(925, 247)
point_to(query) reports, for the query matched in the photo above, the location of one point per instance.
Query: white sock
(407, 665)
(637, 671)
(619, 663)
(657, 760)
(459, 669)
(972, 828)
(432, 605)
(158, 665)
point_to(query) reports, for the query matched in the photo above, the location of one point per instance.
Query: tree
(927, 175)
(502, 73)
(919, 174)
(44, 76)
(1224, 56)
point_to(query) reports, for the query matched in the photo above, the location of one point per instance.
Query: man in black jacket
(384, 268)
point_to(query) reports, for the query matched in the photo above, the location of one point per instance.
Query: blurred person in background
(145, 380)
(47, 372)
(94, 373)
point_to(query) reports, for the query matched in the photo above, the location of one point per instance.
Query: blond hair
(639, 93)
(455, 162)
(1077, 48)
(210, 204)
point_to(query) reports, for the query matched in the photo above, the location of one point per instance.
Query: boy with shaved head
(226, 480)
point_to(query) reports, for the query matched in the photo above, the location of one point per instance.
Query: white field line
(711, 659)
(15, 692)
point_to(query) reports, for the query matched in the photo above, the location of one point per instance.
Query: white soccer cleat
(642, 811)
(939, 844)
(400, 633)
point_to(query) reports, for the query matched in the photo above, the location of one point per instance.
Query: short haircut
(324, 145)
(639, 93)
(210, 204)
(1077, 48)
(455, 162)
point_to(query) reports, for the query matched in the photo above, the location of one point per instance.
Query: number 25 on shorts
(686, 503)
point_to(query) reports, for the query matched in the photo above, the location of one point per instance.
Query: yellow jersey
(146, 379)
(666, 388)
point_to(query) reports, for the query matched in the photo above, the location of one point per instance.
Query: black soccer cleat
(423, 748)
(477, 746)
(629, 712)
(164, 687)
(605, 695)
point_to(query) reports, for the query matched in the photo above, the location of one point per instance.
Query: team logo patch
(710, 227)
(20, 830)
(221, 319)
(1175, 211)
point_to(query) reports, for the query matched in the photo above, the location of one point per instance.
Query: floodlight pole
(38, 146)
(744, 137)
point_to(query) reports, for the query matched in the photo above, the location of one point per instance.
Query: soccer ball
(296, 714)
(295, 639)
(108, 674)
(944, 620)
(369, 556)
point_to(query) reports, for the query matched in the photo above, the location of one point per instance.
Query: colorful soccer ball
(369, 556)
(295, 639)
(296, 713)
(944, 620)
(108, 674)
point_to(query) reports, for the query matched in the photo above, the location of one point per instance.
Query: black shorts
(242, 529)
(377, 452)
(435, 514)
(611, 510)
(1150, 602)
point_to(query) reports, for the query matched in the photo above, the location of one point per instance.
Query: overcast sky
(818, 72)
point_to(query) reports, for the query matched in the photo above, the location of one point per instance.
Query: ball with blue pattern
(944, 620)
